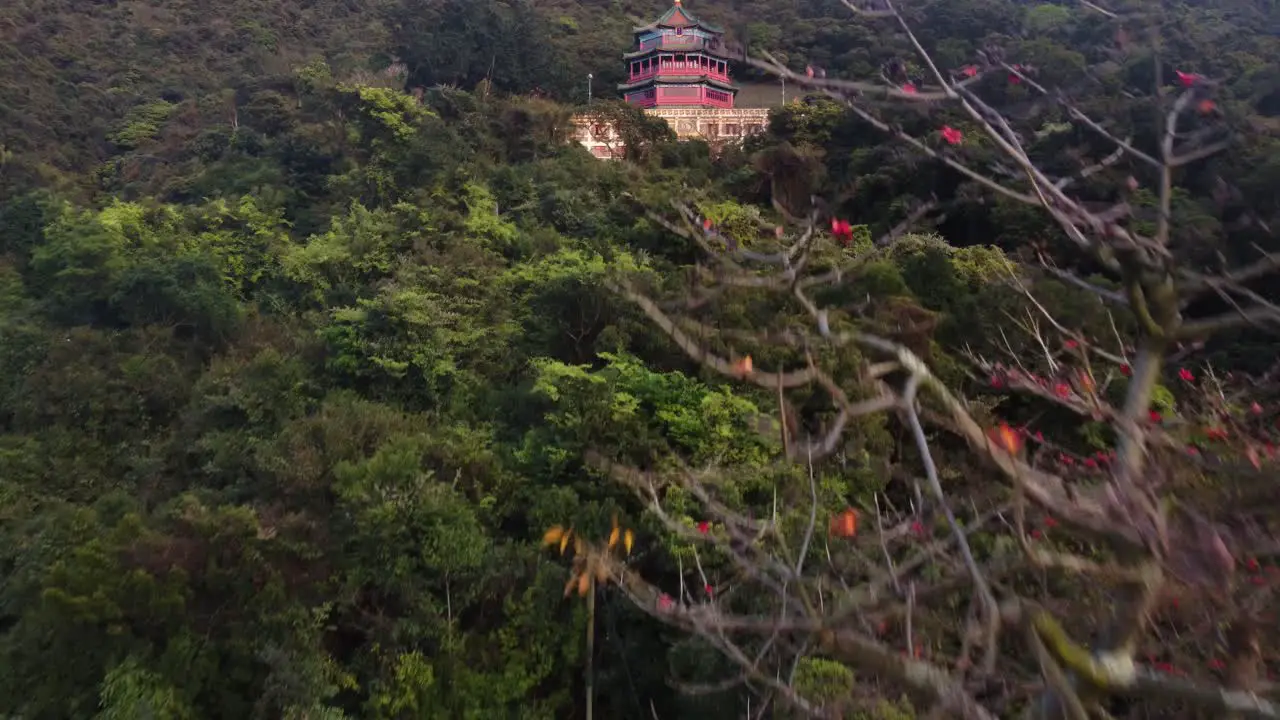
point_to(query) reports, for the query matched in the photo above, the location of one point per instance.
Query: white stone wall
(714, 125)
(599, 138)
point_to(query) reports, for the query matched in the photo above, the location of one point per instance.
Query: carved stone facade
(717, 126)
(713, 124)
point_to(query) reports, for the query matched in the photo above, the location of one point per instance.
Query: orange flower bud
(1005, 438)
(844, 524)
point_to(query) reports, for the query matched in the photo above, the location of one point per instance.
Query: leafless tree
(1106, 578)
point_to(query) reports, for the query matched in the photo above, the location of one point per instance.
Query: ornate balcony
(682, 69)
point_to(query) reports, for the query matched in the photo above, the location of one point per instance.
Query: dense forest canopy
(337, 381)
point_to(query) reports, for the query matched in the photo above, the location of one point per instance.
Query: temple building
(679, 71)
(678, 62)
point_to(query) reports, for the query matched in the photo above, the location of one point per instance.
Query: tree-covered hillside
(337, 381)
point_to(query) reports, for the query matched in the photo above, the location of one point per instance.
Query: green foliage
(306, 324)
(131, 691)
(355, 251)
(634, 407)
(1046, 18)
(143, 124)
(483, 220)
(823, 681)
(408, 690)
(737, 221)
(890, 710)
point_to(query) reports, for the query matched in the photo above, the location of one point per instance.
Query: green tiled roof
(678, 17)
(679, 80)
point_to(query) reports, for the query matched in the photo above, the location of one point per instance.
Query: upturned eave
(680, 80)
(678, 17)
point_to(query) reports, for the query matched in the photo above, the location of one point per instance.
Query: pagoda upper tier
(678, 61)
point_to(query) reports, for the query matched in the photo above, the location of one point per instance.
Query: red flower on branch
(1186, 375)
(1187, 79)
(1125, 370)
(951, 135)
(969, 70)
(909, 89)
(704, 527)
(842, 230)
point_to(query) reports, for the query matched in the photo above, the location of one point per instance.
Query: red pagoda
(678, 61)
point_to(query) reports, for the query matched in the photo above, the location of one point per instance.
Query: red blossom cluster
(1204, 423)
(842, 230)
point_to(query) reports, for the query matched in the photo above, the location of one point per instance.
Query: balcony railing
(678, 68)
